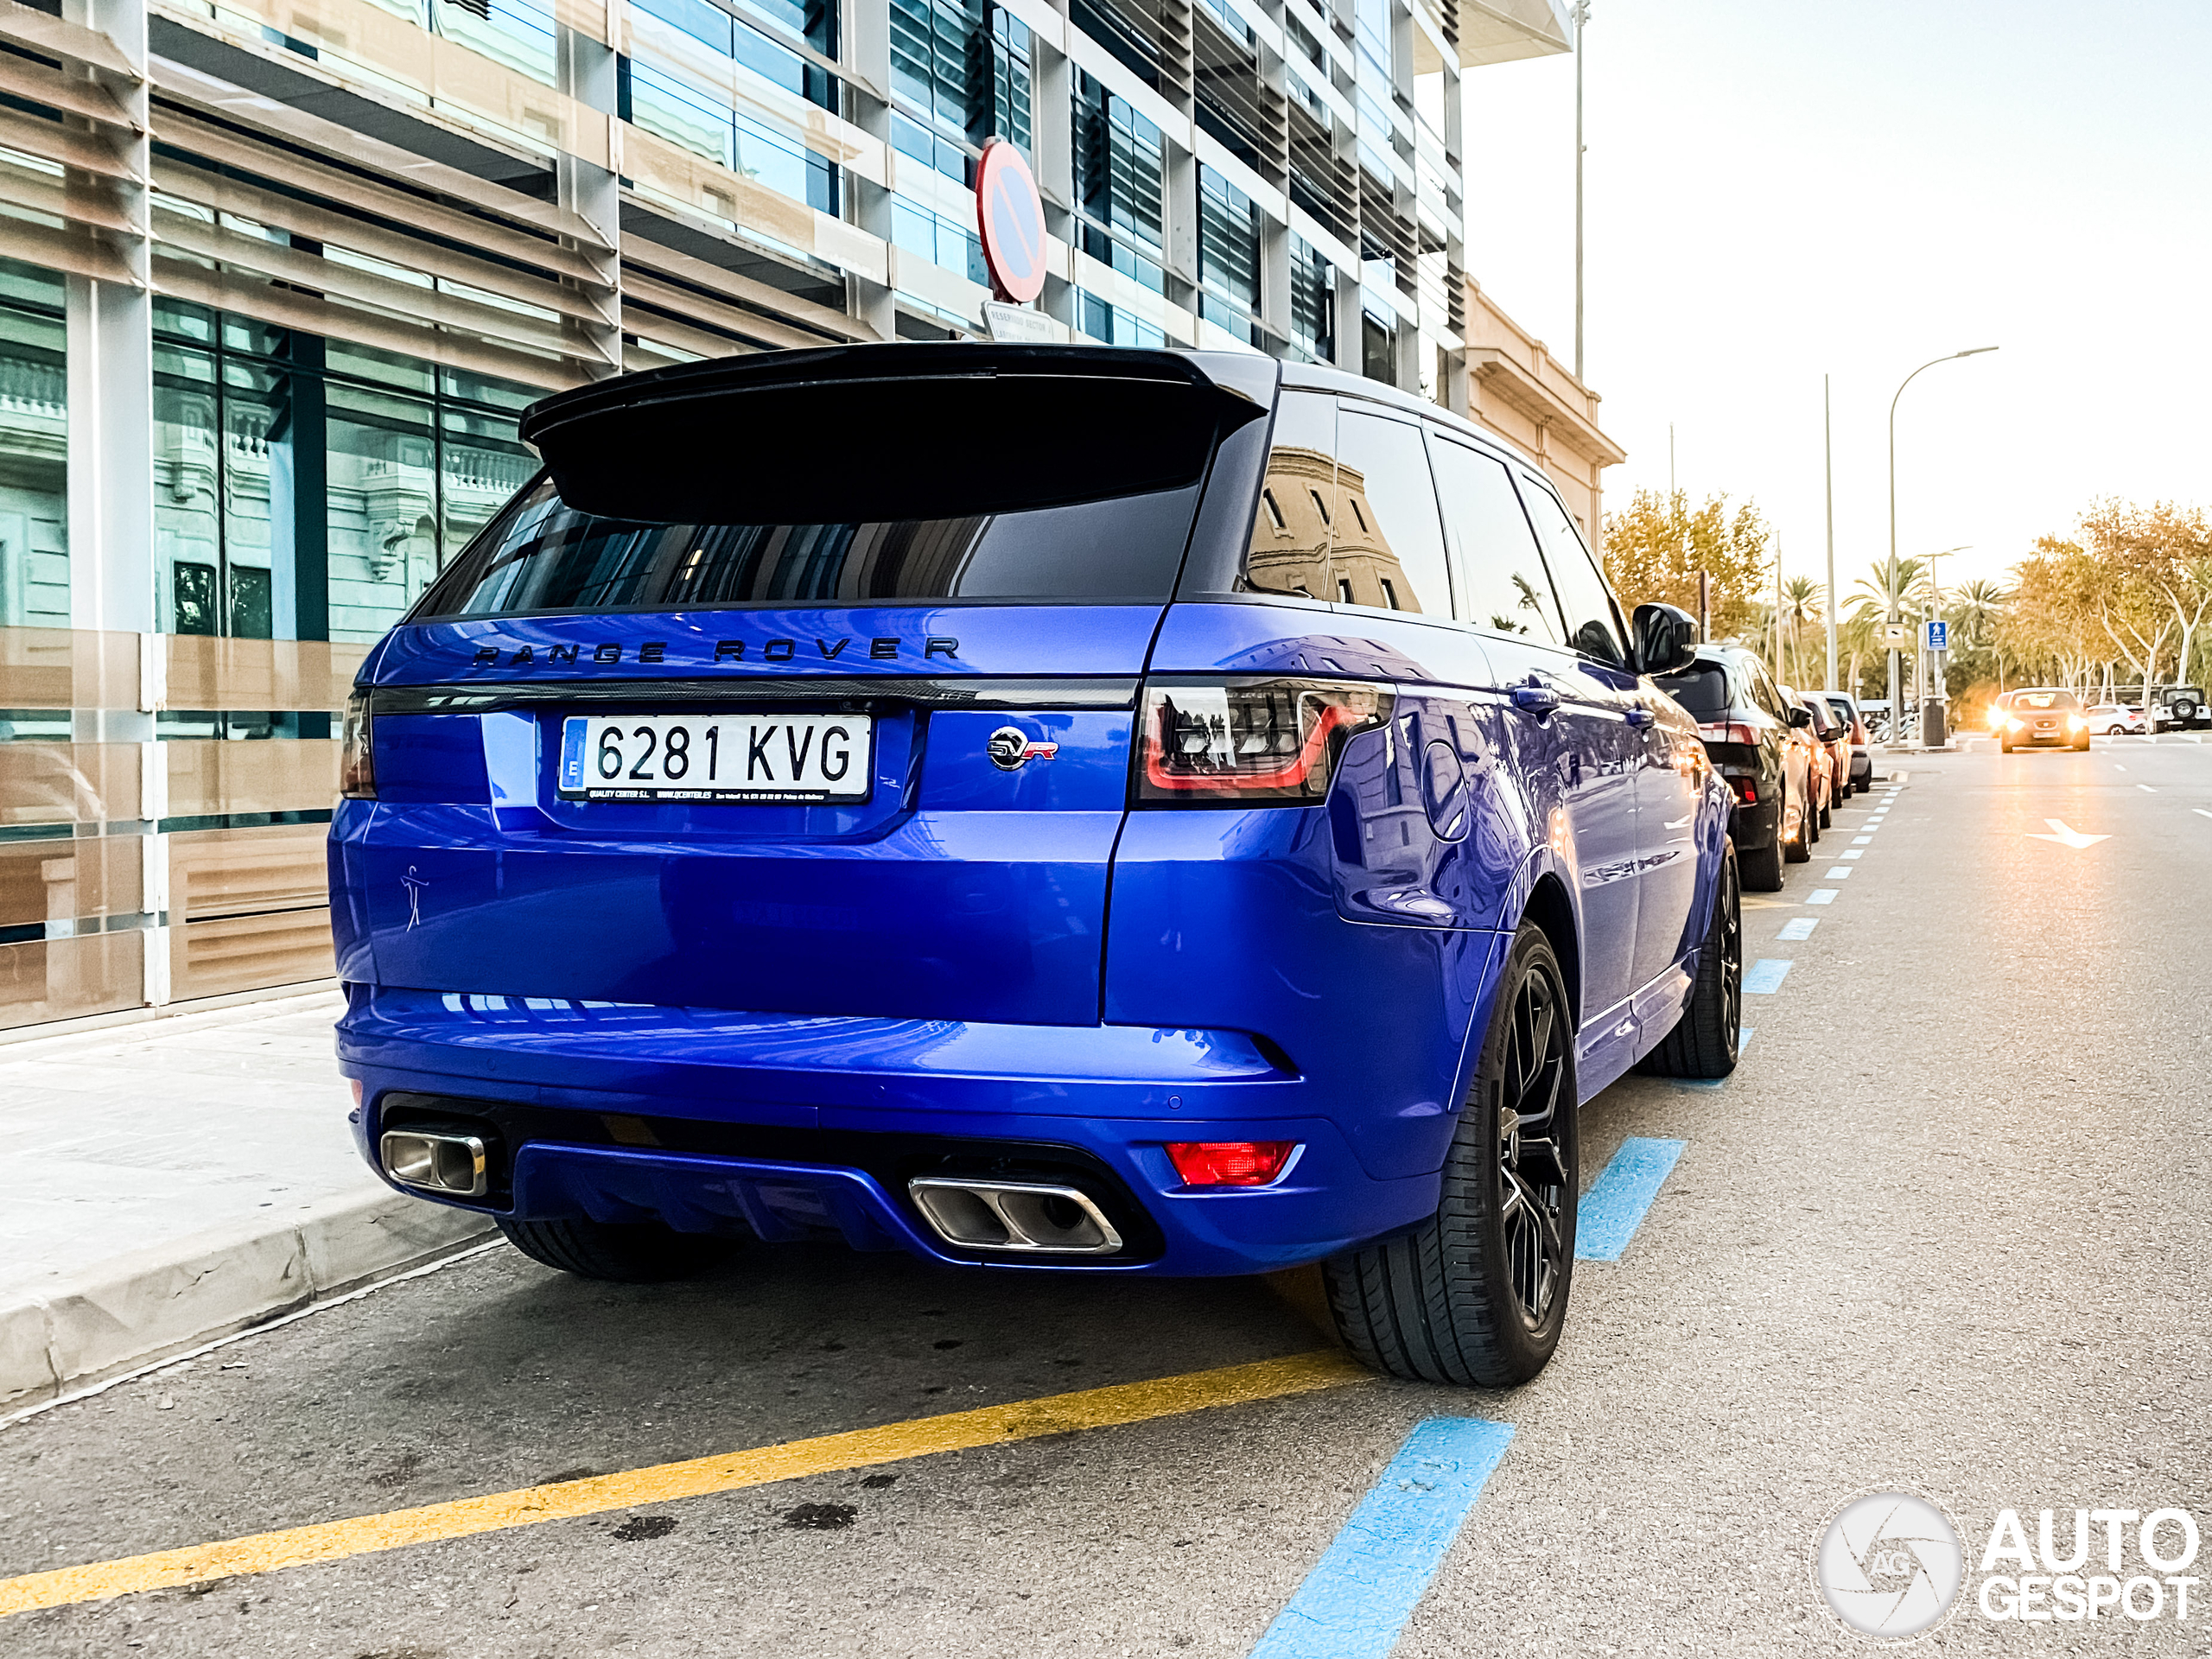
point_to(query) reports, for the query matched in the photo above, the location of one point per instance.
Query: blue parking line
(1367, 1583)
(1841, 873)
(1765, 976)
(1743, 1039)
(1614, 1206)
(1799, 927)
(1821, 896)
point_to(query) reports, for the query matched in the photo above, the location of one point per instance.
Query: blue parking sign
(1939, 636)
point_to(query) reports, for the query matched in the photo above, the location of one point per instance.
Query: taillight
(1728, 731)
(1249, 742)
(357, 764)
(1229, 1163)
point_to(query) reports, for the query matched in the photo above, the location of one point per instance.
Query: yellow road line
(365, 1535)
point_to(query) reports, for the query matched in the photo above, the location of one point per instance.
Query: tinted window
(1501, 581)
(2047, 700)
(542, 555)
(1702, 688)
(1290, 531)
(1387, 549)
(1592, 625)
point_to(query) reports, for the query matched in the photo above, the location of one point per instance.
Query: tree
(2161, 558)
(1975, 609)
(1657, 548)
(1800, 610)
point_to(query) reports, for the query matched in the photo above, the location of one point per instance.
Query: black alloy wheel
(1476, 1294)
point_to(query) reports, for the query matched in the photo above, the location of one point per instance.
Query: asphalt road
(1944, 1232)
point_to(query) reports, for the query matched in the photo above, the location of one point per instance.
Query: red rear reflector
(1746, 791)
(1229, 1163)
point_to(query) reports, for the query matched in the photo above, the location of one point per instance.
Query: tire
(1705, 1040)
(2081, 746)
(1827, 811)
(1800, 851)
(647, 1254)
(1476, 1294)
(2005, 746)
(1761, 866)
(2115, 731)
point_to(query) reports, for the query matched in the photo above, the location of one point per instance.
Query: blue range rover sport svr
(1035, 807)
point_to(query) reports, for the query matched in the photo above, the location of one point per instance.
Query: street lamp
(1896, 712)
(1581, 16)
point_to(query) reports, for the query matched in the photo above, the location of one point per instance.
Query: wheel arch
(1550, 909)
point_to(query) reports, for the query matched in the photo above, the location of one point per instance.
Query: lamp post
(1581, 16)
(1896, 711)
(1827, 451)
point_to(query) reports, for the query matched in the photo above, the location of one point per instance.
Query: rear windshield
(909, 488)
(543, 555)
(1702, 690)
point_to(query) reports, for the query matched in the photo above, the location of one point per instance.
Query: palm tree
(1976, 608)
(1801, 603)
(1890, 586)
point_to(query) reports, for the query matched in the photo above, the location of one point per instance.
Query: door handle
(1641, 718)
(1538, 700)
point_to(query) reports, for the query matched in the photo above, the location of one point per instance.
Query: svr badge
(1011, 748)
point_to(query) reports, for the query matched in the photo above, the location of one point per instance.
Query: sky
(1779, 190)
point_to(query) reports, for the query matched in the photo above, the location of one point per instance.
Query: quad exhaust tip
(1028, 1218)
(431, 1162)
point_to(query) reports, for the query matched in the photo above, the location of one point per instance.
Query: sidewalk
(170, 1182)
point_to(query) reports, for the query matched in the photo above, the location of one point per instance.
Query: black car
(1748, 727)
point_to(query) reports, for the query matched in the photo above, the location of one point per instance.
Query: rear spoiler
(850, 434)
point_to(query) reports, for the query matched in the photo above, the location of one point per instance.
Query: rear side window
(1702, 688)
(1592, 624)
(1502, 580)
(1387, 551)
(1347, 512)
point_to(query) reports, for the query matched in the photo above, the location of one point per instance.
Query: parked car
(2116, 720)
(1834, 738)
(1862, 757)
(2040, 717)
(2184, 707)
(1750, 732)
(1820, 769)
(829, 802)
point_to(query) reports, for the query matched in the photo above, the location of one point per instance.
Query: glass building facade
(247, 415)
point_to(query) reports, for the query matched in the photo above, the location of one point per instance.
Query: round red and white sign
(1010, 216)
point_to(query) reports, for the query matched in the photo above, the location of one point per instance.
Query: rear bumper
(791, 1127)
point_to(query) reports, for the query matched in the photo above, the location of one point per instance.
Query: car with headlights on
(2045, 717)
(1041, 809)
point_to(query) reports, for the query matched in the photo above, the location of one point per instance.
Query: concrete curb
(137, 1308)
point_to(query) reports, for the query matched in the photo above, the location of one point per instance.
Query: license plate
(769, 757)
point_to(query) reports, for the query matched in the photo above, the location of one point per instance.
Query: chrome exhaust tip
(429, 1162)
(1024, 1217)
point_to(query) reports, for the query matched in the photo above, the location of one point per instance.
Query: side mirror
(1666, 638)
(1800, 718)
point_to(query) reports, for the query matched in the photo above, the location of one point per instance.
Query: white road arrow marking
(2066, 837)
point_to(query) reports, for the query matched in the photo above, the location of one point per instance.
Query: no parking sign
(1010, 217)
